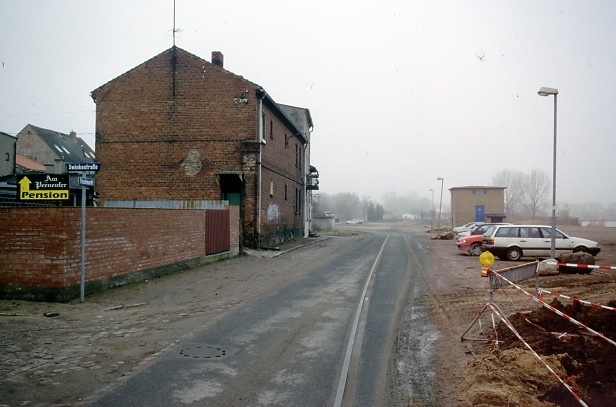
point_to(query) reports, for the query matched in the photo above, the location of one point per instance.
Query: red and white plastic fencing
(583, 266)
(512, 328)
(575, 299)
(539, 300)
(567, 317)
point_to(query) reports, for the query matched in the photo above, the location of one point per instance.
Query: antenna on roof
(174, 31)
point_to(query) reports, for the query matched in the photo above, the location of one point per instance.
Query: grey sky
(401, 92)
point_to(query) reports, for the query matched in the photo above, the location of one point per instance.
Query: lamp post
(549, 92)
(440, 204)
(432, 213)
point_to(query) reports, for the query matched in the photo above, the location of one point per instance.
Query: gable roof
(259, 89)
(71, 147)
(174, 49)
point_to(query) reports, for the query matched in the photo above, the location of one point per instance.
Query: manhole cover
(203, 352)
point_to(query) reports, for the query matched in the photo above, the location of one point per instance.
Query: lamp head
(547, 92)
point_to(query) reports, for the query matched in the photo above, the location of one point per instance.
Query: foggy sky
(400, 92)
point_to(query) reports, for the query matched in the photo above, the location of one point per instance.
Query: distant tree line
(529, 195)
(348, 205)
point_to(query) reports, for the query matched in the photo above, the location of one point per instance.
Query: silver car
(512, 242)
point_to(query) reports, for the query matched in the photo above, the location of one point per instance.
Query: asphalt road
(325, 339)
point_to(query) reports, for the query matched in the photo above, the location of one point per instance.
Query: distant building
(477, 204)
(53, 149)
(178, 127)
(42, 151)
(8, 145)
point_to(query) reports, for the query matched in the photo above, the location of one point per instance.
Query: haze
(400, 92)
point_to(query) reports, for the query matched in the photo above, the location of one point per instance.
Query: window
(271, 192)
(286, 191)
(272, 129)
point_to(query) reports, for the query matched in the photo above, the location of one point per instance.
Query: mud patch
(509, 374)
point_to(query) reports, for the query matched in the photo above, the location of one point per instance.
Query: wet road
(326, 339)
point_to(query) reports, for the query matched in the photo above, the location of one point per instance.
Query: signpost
(85, 182)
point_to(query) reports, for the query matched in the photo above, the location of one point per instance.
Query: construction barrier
(509, 277)
(582, 266)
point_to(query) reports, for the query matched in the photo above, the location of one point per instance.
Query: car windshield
(488, 231)
(479, 230)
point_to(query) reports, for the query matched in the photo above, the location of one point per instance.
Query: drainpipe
(261, 96)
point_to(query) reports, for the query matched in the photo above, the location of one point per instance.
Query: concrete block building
(477, 204)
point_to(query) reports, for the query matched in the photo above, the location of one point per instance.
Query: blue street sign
(81, 167)
(86, 182)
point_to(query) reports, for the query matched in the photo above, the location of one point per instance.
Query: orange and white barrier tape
(583, 266)
(567, 317)
(575, 299)
(516, 333)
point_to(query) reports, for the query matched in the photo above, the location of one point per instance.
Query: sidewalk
(285, 248)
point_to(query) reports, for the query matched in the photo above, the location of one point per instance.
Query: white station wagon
(512, 242)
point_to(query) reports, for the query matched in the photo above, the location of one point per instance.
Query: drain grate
(203, 352)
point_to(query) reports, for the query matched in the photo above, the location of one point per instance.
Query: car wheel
(580, 249)
(476, 249)
(514, 254)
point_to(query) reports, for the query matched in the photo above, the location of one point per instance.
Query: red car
(471, 244)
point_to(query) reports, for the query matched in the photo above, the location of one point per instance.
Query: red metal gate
(217, 232)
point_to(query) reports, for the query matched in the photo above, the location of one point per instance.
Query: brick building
(178, 127)
(52, 149)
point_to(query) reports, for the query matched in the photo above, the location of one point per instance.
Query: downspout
(261, 96)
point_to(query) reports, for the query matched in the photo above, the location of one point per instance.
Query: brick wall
(282, 175)
(166, 128)
(40, 248)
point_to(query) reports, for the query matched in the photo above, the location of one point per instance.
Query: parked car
(471, 242)
(354, 221)
(479, 230)
(512, 242)
(468, 226)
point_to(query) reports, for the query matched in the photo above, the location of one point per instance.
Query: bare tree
(514, 192)
(536, 188)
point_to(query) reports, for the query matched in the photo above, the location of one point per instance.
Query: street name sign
(43, 187)
(82, 167)
(86, 182)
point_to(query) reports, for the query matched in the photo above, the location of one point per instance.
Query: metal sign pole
(83, 244)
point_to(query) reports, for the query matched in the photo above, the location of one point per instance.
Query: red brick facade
(40, 248)
(180, 128)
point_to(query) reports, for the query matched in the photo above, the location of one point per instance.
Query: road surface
(325, 339)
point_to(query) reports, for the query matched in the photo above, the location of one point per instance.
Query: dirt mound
(509, 374)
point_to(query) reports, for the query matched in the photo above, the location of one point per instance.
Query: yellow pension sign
(46, 187)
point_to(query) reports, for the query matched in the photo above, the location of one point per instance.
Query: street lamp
(432, 213)
(440, 204)
(549, 92)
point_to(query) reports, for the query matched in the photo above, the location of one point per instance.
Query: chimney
(218, 59)
(73, 135)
